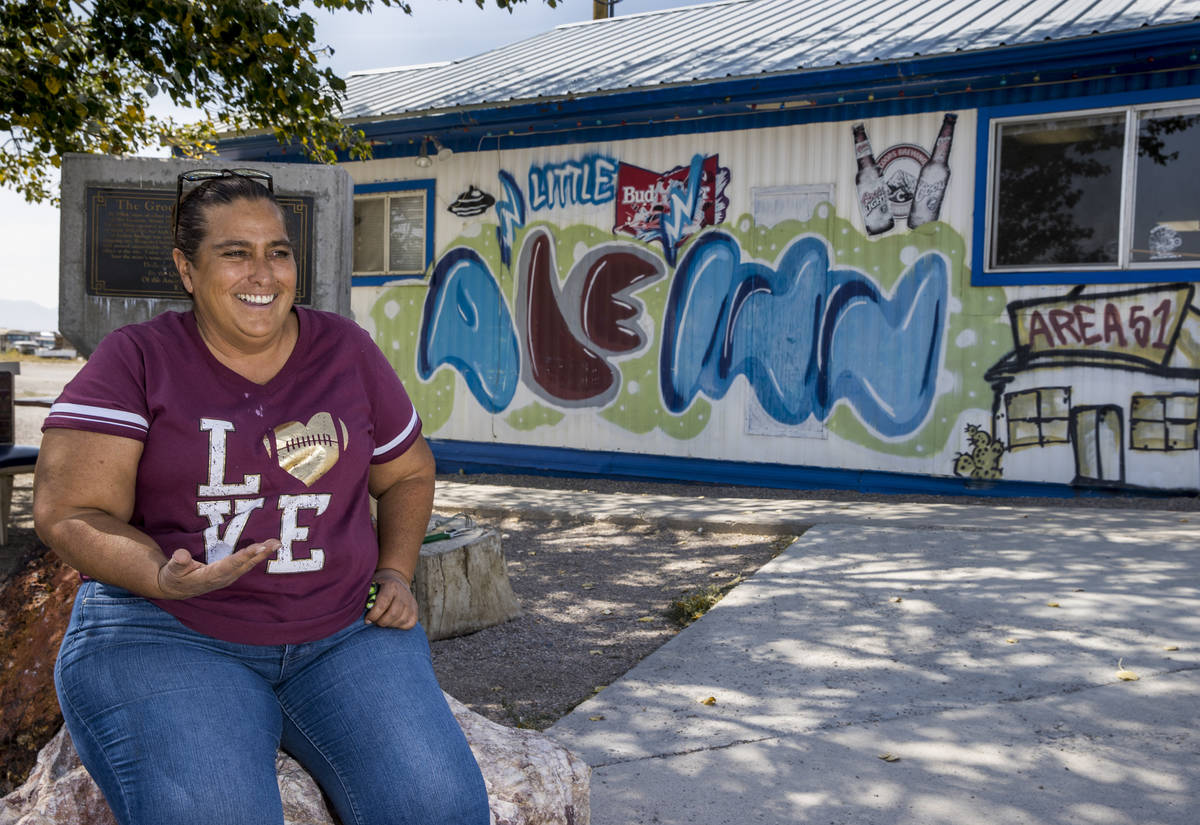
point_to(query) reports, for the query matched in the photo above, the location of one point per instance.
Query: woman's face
(243, 275)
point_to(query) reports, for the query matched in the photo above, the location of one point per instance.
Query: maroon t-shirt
(227, 462)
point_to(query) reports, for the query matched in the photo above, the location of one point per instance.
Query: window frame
(1039, 420)
(1124, 271)
(1137, 442)
(386, 188)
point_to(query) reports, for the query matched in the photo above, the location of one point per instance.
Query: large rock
(35, 604)
(531, 780)
(60, 791)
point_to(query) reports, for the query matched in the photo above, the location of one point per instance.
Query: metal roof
(741, 38)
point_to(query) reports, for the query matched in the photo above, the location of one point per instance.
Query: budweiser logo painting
(671, 206)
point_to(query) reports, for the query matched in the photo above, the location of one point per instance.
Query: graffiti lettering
(1060, 327)
(1140, 325)
(567, 334)
(510, 212)
(669, 207)
(1163, 313)
(1114, 332)
(1085, 324)
(1039, 330)
(466, 324)
(804, 335)
(1064, 321)
(589, 180)
(680, 220)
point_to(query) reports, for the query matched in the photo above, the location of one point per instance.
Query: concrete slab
(985, 659)
(1118, 754)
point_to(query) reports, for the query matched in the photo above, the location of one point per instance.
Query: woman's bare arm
(403, 488)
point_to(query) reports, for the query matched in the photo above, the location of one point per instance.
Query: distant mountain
(27, 315)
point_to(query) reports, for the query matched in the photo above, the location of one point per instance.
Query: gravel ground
(595, 600)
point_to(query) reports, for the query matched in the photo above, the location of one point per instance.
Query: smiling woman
(241, 273)
(210, 473)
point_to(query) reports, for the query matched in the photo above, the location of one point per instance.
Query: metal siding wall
(904, 341)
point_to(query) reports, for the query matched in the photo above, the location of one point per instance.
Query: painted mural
(603, 302)
(1105, 383)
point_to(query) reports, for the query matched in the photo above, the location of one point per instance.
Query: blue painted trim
(429, 186)
(490, 457)
(1097, 101)
(382, 280)
(986, 114)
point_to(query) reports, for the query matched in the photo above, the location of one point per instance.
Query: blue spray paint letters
(466, 324)
(589, 180)
(681, 219)
(511, 213)
(804, 335)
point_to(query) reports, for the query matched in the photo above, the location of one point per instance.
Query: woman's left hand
(395, 605)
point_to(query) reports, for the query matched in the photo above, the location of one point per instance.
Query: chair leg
(6, 486)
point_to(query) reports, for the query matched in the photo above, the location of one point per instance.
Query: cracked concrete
(976, 647)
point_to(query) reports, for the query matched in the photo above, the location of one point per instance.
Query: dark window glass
(1058, 197)
(368, 235)
(1166, 214)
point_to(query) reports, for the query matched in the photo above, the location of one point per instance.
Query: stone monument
(115, 265)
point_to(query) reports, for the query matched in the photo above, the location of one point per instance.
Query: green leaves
(79, 77)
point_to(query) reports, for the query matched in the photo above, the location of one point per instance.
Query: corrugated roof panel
(741, 38)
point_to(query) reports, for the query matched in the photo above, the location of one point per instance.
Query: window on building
(1098, 190)
(392, 231)
(1038, 417)
(1163, 422)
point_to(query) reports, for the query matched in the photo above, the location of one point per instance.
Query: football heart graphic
(308, 451)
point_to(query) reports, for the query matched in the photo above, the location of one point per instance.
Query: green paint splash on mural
(532, 416)
(397, 317)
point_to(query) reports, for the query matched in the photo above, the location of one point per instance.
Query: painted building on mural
(927, 246)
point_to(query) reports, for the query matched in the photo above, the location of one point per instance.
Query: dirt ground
(595, 599)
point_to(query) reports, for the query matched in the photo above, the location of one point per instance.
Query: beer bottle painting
(871, 187)
(931, 183)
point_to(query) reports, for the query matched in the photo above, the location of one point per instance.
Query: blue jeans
(177, 727)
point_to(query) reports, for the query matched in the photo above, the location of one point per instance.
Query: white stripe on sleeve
(412, 422)
(100, 415)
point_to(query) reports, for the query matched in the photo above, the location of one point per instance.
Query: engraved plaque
(128, 244)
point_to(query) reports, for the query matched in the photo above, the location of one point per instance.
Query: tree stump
(462, 585)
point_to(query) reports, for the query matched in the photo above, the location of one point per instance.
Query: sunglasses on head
(202, 175)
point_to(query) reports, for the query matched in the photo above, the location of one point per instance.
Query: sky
(437, 30)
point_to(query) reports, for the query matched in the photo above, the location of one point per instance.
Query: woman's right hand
(182, 576)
